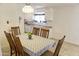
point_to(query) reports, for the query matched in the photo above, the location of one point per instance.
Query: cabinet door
(28, 28)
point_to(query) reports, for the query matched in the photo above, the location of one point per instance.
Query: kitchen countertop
(40, 25)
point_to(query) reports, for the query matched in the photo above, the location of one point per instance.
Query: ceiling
(41, 5)
(54, 4)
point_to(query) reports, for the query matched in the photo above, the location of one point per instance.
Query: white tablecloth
(35, 46)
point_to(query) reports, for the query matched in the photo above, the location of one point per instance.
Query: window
(39, 17)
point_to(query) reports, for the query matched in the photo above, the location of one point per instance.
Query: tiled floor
(66, 50)
(69, 50)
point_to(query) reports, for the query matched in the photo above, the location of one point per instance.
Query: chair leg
(11, 52)
(15, 53)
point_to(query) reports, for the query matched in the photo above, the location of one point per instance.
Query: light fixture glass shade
(28, 9)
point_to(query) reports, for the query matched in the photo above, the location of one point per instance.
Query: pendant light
(27, 8)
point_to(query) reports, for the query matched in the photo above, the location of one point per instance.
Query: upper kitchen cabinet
(49, 14)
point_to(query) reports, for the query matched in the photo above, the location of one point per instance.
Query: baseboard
(72, 43)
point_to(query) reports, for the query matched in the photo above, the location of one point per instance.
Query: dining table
(37, 45)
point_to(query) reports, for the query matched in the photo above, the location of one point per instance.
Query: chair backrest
(36, 31)
(15, 30)
(10, 41)
(44, 33)
(59, 45)
(18, 46)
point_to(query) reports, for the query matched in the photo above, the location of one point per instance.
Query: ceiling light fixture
(28, 8)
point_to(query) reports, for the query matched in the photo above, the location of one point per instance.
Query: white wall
(66, 21)
(9, 12)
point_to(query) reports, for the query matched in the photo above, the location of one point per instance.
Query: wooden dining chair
(15, 30)
(36, 31)
(19, 48)
(57, 50)
(11, 43)
(44, 33)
